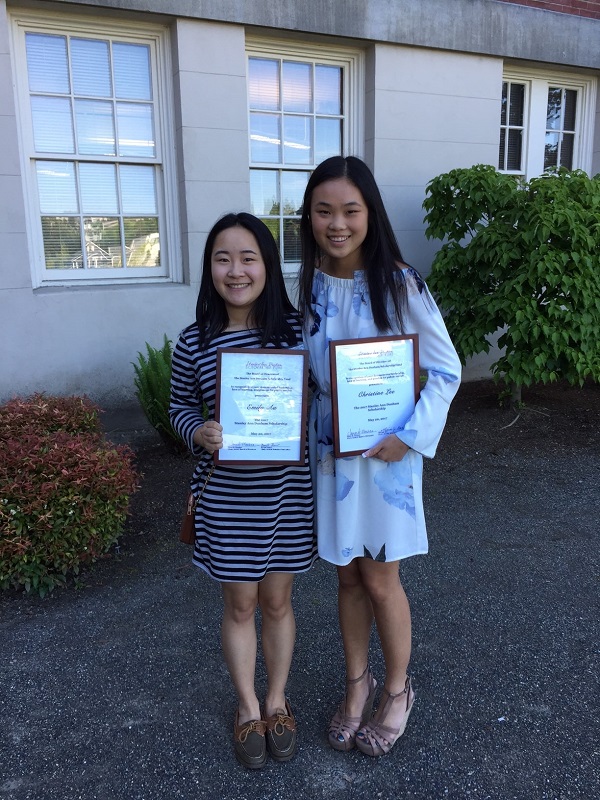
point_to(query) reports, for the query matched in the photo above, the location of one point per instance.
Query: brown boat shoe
(249, 742)
(281, 733)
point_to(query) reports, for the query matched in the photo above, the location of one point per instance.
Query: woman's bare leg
(278, 635)
(392, 618)
(238, 637)
(356, 619)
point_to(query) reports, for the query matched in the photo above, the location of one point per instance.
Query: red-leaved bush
(64, 490)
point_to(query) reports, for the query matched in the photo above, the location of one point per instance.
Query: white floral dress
(365, 506)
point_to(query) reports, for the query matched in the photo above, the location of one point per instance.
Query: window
(94, 120)
(545, 122)
(302, 109)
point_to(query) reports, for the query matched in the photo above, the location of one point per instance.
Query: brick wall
(580, 8)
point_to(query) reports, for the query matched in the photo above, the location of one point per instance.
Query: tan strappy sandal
(377, 739)
(341, 734)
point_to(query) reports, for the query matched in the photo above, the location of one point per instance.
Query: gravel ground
(114, 687)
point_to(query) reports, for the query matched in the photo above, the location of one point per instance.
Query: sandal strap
(360, 677)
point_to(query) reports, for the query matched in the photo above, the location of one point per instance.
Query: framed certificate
(261, 402)
(374, 387)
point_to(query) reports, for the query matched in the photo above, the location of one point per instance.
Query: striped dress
(251, 519)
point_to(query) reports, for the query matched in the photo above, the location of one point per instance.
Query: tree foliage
(522, 258)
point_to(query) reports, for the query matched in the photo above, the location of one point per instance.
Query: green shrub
(523, 258)
(64, 490)
(153, 384)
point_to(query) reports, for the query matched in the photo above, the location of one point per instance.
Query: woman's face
(238, 271)
(340, 221)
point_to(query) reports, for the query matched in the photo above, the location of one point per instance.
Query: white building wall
(213, 131)
(432, 111)
(83, 339)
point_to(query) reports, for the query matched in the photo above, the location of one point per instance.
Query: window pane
(52, 125)
(273, 226)
(292, 250)
(98, 183)
(554, 108)
(95, 127)
(56, 187)
(293, 185)
(102, 242)
(138, 190)
(551, 150)
(328, 138)
(135, 130)
(62, 242)
(515, 148)
(297, 87)
(265, 138)
(504, 103)
(328, 90)
(297, 147)
(90, 67)
(502, 150)
(263, 84)
(142, 243)
(131, 64)
(570, 107)
(264, 197)
(566, 150)
(47, 65)
(517, 103)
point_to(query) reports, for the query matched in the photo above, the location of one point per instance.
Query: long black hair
(380, 250)
(272, 309)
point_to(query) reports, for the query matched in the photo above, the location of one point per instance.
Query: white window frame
(157, 38)
(352, 63)
(537, 84)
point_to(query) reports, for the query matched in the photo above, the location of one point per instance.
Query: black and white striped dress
(251, 519)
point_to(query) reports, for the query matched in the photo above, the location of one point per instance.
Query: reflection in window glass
(95, 127)
(517, 104)
(328, 90)
(62, 242)
(47, 65)
(142, 242)
(138, 189)
(294, 92)
(265, 138)
(56, 187)
(328, 138)
(570, 106)
(291, 240)
(264, 192)
(512, 116)
(263, 84)
(135, 130)
(102, 237)
(52, 124)
(273, 226)
(297, 87)
(293, 185)
(90, 66)
(98, 185)
(131, 65)
(297, 146)
(560, 128)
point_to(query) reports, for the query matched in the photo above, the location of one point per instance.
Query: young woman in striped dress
(253, 523)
